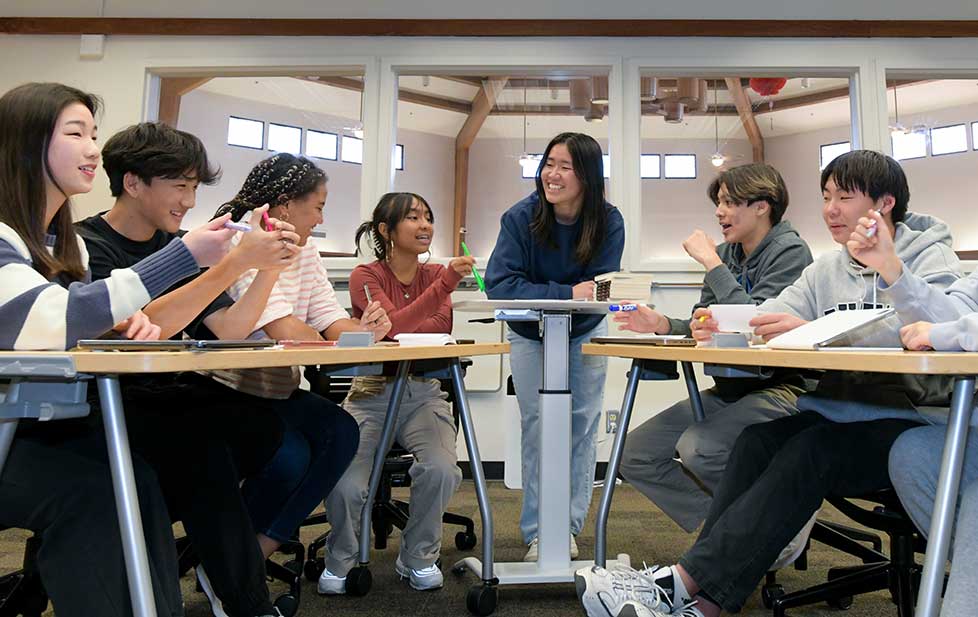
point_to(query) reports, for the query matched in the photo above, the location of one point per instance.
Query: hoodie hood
(782, 233)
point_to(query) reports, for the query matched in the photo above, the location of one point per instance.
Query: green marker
(475, 273)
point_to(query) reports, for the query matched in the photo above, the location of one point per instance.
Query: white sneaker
(534, 549)
(205, 584)
(424, 579)
(619, 592)
(330, 584)
(795, 548)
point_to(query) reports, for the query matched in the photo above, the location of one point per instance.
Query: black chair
(897, 572)
(387, 512)
(21, 591)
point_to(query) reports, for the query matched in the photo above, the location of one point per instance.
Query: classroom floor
(636, 527)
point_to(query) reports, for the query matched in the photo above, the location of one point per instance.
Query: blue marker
(237, 226)
(614, 308)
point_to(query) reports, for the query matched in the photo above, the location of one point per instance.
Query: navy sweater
(522, 267)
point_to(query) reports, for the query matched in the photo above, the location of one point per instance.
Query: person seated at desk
(154, 171)
(417, 298)
(551, 245)
(761, 255)
(915, 458)
(839, 439)
(56, 480)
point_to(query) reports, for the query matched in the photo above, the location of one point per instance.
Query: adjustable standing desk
(553, 564)
(963, 366)
(51, 385)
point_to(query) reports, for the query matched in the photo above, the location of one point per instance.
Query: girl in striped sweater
(56, 480)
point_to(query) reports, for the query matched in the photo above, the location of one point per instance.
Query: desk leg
(475, 462)
(7, 430)
(386, 441)
(948, 483)
(614, 462)
(694, 392)
(554, 446)
(127, 502)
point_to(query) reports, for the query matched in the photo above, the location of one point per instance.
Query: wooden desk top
(914, 362)
(175, 361)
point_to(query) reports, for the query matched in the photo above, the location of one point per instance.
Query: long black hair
(28, 117)
(390, 210)
(586, 157)
(274, 181)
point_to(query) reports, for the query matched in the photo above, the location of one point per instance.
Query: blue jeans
(320, 441)
(587, 377)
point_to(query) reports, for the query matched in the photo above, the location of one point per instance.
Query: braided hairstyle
(391, 210)
(274, 181)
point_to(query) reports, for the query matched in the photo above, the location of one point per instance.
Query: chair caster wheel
(465, 541)
(843, 604)
(313, 568)
(287, 604)
(481, 600)
(770, 593)
(358, 581)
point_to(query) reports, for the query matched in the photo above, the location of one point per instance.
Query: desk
(963, 366)
(106, 367)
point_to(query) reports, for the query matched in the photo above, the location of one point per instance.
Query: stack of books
(616, 286)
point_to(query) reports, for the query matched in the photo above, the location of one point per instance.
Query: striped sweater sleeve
(38, 314)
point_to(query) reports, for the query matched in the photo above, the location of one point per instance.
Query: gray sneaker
(424, 579)
(620, 592)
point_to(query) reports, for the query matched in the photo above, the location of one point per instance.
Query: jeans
(587, 377)
(777, 476)
(320, 441)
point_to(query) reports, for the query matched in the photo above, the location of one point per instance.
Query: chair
(387, 512)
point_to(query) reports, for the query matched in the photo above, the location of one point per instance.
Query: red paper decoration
(767, 86)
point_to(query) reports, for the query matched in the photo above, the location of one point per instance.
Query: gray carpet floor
(636, 527)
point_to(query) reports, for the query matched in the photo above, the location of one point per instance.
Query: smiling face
(742, 221)
(841, 209)
(413, 234)
(306, 212)
(561, 185)
(163, 202)
(73, 155)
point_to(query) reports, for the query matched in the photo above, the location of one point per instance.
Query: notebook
(417, 339)
(832, 330)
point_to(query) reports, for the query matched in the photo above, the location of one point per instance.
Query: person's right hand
(267, 250)
(463, 265)
(643, 319)
(876, 251)
(583, 291)
(138, 328)
(209, 243)
(702, 325)
(769, 325)
(916, 336)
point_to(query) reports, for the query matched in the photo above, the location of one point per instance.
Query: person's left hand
(770, 325)
(703, 249)
(138, 328)
(916, 336)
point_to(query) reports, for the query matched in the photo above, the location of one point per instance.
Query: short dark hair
(155, 150)
(750, 183)
(873, 174)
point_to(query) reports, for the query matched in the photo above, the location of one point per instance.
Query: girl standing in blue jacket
(551, 245)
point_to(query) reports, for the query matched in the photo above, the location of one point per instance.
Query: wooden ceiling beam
(408, 96)
(747, 117)
(172, 90)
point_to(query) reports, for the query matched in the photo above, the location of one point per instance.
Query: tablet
(659, 340)
(128, 345)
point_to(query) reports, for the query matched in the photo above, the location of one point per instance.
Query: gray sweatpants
(426, 428)
(915, 462)
(683, 490)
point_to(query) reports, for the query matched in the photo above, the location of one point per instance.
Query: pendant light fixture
(717, 159)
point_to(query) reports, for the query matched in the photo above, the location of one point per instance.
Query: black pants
(201, 447)
(62, 489)
(777, 476)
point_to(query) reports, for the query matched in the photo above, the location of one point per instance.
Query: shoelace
(630, 584)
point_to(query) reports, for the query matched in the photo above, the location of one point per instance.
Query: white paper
(734, 317)
(417, 339)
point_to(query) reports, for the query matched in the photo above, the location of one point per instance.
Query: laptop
(171, 345)
(659, 340)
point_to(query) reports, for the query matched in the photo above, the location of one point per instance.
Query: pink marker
(266, 223)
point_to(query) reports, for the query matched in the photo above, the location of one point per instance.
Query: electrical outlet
(611, 421)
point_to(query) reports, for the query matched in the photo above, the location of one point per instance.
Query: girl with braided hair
(417, 298)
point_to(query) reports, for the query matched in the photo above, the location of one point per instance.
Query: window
(321, 145)
(909, 145)
(282, 138)
(948, 139)
(399, 157)
(974, 135)
(680, 166)
(352, 150)
(829, 152)
(246, 133)
(650, 166)
(606, 165)
(529, 165)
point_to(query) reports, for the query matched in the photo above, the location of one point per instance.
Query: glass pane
(321, 145)
(247, 133)
(909, 145)
(828, 152)
(974, 135)
(606, 165)
(352, 151)
(949, 139)
(503, 141)
(399, 157)
(284, 138)
(322, 106)
(680, 166)
(650, 166)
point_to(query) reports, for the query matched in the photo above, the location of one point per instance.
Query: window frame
(696, 170)
(305, 145)
(930, 138)
(264, 132)
(286, 126)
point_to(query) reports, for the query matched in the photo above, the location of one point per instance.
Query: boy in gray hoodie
(780, 471)
(761, 256)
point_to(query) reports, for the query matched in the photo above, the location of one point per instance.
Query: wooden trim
(967, 255)
(747, 117)
(172, 90)
(737, 28)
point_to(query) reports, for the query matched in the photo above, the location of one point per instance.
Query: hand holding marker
(615, 308)
(245, 227)
(475, 273)
(872, 226)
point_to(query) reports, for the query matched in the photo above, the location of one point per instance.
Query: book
(620, 286)
(417, 339)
